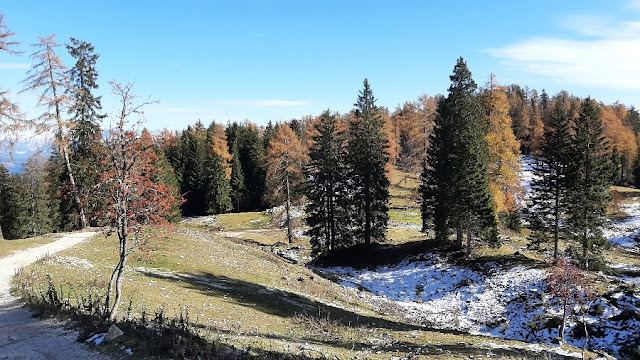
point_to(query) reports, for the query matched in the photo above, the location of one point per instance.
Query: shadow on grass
(275, 301)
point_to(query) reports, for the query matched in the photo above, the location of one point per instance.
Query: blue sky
(276, 60)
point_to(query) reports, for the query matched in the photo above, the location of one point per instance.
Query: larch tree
(547, 204)
(588, 184)
(10, 115)
(129, 184)
(284, 163)
(504, 151)
(49, 76)
(368, 159)
(455, 188)
(328, 205)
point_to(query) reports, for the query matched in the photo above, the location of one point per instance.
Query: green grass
(8, 247)
(247, 296)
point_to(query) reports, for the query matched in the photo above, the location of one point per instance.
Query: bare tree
(49, 76)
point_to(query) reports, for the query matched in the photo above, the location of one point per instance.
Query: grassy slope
(237, 289)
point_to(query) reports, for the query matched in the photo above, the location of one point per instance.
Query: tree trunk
(469, 240)
(564, 320)
(83, 218)
(367, 215)
(289, 233)
(585, 249)
(556, 232)
(116, 301)
(1, 236)
(459, 236)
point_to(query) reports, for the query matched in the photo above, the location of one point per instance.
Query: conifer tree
(284, 162)
(5, 200)
(328, 206)
(10, 115)
(49, 76)
(35, 214)
(588, 184)
(504, 151)
(368, 158)
(238, 189)
(193, 185)
(455, 181)
(251, 153)
(547, 202)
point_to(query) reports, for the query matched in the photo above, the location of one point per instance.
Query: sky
(278, 60)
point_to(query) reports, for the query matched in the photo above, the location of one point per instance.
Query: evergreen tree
(328, 207)
(218, 198)
(368, 158)
(238, 189)
(34, 214)
(455, 181)
(251, 154)
(548, 202)
(193, 185)
(5, 201)
(588, 184)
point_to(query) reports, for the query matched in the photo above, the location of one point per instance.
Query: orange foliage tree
(284, 161)
(504, 150)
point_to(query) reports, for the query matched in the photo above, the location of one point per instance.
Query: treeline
(466, 146)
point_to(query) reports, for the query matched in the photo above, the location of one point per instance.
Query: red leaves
(568, 283)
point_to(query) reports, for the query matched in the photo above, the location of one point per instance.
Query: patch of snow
(96, 339)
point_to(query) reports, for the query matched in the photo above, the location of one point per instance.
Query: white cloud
(13, 66)
(263, 103)
(606, 56)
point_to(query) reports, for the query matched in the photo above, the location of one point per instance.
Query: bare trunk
(585, 250)
(76, 197)
(469, 240)
(564, 320)
(289, 233)
(556, 232)
(1, 236)
(459, 237)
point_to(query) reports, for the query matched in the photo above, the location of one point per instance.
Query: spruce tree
(368, 157)
(193, 185)
(588, 184)
(547, 202)
(5, 200)
(455, 181)
(238, 189)
(328, 207)
(217, 198)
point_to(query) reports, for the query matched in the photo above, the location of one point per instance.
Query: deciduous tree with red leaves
(570, 285)
(131, 184)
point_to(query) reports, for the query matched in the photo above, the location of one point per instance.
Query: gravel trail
(23, 337)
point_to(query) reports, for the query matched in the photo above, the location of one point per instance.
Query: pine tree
(238, 189)
(328, 207)
(455, 181)
(368, 158)
(548, 203)
(284, 162)
(588, 184)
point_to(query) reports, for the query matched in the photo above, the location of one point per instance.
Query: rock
(626, 315)
(113, 333)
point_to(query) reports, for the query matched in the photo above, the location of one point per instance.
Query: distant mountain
(23, 148)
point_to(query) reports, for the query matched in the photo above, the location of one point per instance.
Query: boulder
(113, 333)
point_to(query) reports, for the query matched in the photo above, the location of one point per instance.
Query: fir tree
(34, 215)
(327, 208)
(5, 201)
(368, 158)
(455, 181)
(193, 184)
(548, 202)
(238, 189)
(218, 198)
(588, 184)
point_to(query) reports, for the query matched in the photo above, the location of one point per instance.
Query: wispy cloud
(602, 53)
(13, 66)
(174, 110)
(262, 103)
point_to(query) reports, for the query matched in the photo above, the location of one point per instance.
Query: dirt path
(23, 337)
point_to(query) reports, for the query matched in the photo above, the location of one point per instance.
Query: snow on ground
(500, 301)
(626, 232)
